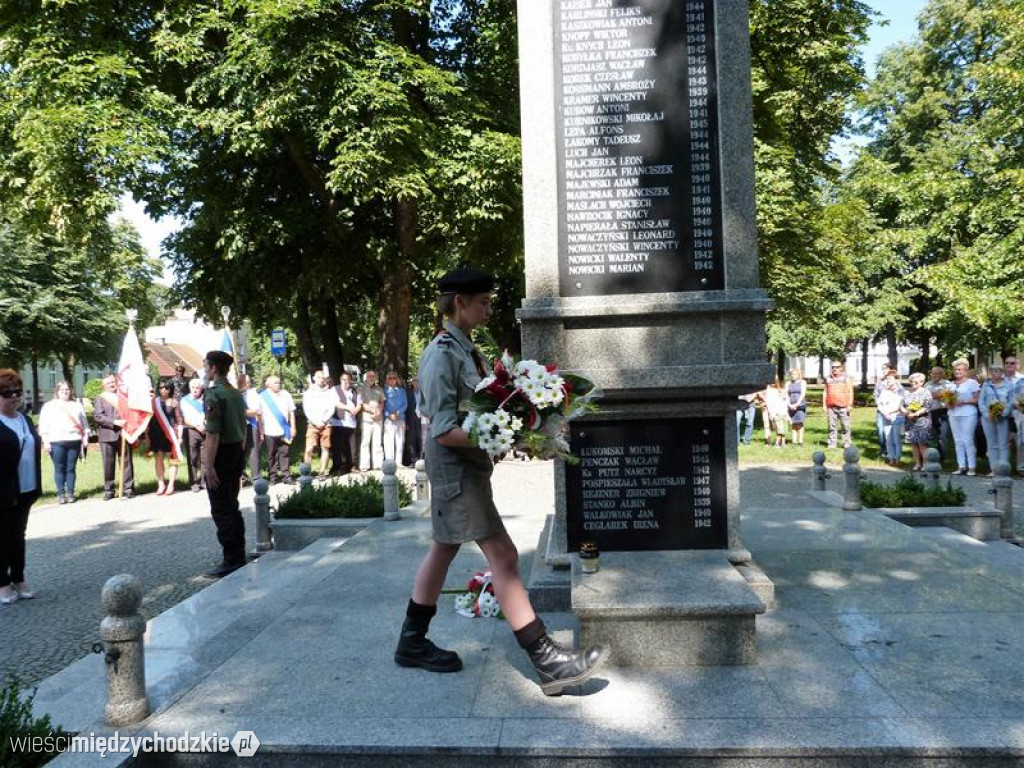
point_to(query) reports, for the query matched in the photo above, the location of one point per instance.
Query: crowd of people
(983, 415)
(352, 428)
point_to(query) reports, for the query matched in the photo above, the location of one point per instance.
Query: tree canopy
(942, 175)
(331, 158)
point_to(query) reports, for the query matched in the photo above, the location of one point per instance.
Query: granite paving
(898, 641)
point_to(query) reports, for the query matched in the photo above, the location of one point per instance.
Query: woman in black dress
(160, 444)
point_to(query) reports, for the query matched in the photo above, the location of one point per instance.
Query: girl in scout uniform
(462, 505)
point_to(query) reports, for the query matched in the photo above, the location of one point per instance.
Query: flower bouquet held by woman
(995, 410)
(527, 406)
(949, 397)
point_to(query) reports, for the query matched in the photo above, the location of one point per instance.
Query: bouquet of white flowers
(527, 406)
(479, 599)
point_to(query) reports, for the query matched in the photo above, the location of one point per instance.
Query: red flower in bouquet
(526, 405)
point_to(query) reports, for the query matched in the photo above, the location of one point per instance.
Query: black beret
(219, 358)
(466, 280)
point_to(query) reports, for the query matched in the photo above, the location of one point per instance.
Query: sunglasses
(10, 393)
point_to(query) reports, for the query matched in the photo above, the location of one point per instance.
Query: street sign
(278, 347)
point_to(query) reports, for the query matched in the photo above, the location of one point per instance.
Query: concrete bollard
(390, 481)
(932, 469)
(305, 476)
(121, 632)
(261, 503)
(818, 472)
(1003, 486)
(422, 482)
(852, 476)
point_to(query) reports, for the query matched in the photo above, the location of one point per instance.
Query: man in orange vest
(838, 404)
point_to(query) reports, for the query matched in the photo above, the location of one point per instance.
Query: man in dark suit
(109, 423)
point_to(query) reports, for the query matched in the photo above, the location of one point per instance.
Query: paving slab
(890, 646)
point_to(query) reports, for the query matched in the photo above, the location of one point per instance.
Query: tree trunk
(780, 365)
(67, 366)
(926, 352)
(304, 334)
(864, 362)
(890, 341)
(412, 31)
(334, 353)
(396, 294)
(35, 383)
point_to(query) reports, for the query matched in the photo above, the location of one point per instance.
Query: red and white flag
(134, 397)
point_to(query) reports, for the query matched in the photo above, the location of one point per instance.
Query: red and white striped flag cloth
(134, 396)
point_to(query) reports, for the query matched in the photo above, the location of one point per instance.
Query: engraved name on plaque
(638, 179)
(647, 484)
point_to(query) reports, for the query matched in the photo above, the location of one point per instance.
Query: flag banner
(228, 345)
(169, 431)
(134, 389)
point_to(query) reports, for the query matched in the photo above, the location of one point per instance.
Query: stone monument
(642, 274)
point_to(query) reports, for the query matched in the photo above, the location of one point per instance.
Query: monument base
(667, 608)
(549, 585)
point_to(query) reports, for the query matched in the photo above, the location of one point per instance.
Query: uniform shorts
(463, 510)
(318, 435)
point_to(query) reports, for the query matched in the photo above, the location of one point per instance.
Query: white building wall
(878, 358)
(182, 327)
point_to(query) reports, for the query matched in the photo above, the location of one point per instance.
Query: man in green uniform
(224, 460)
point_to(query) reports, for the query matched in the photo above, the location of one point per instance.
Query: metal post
(1003, 486)
(818, 472)
(261, 502)
(422, 482)
(121, 632)
(852, 476)
(390, 481)
(932, 470)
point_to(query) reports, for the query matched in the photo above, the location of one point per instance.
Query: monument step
(982, 523)
(667, 608)
(184, 643)
(631, 752)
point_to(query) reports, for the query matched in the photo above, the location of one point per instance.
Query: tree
(337, 155)
(945, 165)
(341, 155)
(68, 304)
(806, 67)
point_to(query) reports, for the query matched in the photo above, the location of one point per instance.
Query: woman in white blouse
(995, 406)
(65, 434)
(20, 486)
(963, 418)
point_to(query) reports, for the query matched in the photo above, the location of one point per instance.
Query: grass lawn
(89, 480)
(816, 437)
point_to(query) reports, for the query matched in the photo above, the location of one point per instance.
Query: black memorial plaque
(639, 185)
(647, 484)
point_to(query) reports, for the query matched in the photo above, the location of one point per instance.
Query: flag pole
(131, 314)
(120, 482)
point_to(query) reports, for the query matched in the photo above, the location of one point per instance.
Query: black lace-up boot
(415, 650)
(558, 666)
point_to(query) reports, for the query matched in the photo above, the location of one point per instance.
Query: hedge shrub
(362, 498)
(17, 721)
(909, 492)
